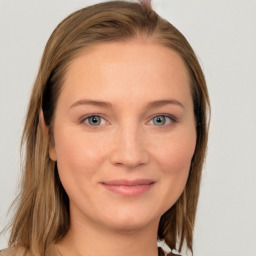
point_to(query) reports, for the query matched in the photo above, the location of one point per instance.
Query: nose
(128, 148)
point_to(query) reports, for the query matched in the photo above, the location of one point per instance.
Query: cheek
(175, 153)
(174, 158)
(74, 148)
(78, 157)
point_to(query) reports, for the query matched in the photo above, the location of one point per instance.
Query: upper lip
(125, 182)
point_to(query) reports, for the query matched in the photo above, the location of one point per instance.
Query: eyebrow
(160, 103)
(150, 105)
(92, 102)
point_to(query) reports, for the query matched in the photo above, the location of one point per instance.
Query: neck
(87, 239)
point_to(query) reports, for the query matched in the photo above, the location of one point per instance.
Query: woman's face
(124, 133)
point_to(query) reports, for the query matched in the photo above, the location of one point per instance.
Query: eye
(94, 120)
(161, 120)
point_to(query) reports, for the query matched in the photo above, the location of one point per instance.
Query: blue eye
(161, 120)
(94, 120)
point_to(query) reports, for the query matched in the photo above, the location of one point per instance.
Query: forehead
(135, 69)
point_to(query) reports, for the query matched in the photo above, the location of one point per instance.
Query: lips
(128, 187)
(129, 182)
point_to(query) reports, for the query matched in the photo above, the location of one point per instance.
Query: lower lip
(123, 190)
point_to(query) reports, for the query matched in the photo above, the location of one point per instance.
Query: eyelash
(171, 121)
(83, 120)
(171, 117)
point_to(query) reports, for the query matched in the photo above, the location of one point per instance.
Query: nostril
(129, 149)
(134, 159)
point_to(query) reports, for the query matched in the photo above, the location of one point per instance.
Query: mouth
(128, 187)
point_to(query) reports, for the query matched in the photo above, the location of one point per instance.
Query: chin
(130, 221)
(129, 226)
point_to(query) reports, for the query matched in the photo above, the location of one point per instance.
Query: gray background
(222, 33)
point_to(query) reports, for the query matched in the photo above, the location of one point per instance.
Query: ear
(45, 130)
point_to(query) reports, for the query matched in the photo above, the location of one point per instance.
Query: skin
(126, 144)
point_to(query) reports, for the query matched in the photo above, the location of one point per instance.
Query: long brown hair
(42, 214)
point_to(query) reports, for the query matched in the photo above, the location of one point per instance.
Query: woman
(115, 137)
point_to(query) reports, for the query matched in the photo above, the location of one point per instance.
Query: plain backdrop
(222, 33)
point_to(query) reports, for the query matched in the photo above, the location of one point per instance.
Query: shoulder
(15, 251)
(22, 251)
(7, 252)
